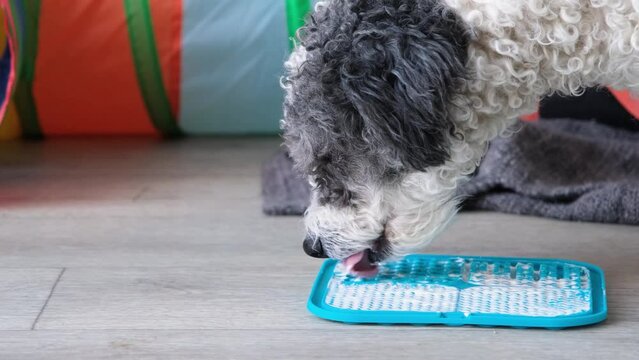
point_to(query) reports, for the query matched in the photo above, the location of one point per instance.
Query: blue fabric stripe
(232, 57)
(5, 70)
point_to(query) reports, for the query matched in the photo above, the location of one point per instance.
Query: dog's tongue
(359, 264)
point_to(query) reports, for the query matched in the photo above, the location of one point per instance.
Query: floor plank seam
(137, 196)
(46, 302)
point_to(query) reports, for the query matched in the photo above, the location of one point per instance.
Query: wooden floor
(133, 248)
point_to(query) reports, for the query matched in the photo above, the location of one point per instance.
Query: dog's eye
(333, 196)
(328, 179)
(341, 197)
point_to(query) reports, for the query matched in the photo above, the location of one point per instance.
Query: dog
(391, 104)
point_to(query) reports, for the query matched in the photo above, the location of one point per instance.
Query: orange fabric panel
(85, 81)
(10, 127)
(3, 36)
(167, 26)
(629, 102)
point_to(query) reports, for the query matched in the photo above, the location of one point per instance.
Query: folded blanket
(284, 191)
(563, 169)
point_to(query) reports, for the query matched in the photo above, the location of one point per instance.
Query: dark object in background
(563, 169)
(284, 191)
(596, 103)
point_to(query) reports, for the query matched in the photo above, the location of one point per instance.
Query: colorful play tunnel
(77, 67)
(169, 67)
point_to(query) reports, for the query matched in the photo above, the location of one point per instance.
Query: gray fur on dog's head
(368, 92)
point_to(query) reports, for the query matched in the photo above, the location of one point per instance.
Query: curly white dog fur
(390, 104)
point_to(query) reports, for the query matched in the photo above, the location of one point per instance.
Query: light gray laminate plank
(215, 237)
(343, 343)
(213, 298)
(23, 293)
(179, 298)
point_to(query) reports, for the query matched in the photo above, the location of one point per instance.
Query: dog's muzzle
(313, 247)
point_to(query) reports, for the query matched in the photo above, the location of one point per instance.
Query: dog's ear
(402, 67)
(370, 86)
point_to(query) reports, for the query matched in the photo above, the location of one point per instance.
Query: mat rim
(317, 306)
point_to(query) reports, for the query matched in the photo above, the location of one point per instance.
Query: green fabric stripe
(147, 66)
(27, 31)
(296, 11)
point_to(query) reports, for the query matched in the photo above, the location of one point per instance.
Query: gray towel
(563, 169)
(284, 191)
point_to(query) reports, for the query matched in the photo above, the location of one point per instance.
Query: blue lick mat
(461, 290)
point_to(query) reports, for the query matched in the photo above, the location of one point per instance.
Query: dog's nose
(313, 247)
